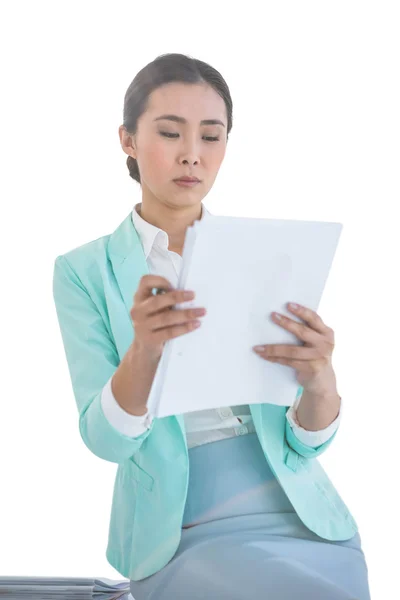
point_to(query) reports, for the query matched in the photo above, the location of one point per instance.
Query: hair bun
(133, 168)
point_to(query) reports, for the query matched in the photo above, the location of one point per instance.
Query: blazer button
(225, 413)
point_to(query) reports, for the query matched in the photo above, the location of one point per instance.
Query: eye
(175, 135)
(169, 135)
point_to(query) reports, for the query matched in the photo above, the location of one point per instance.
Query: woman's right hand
(153, 320)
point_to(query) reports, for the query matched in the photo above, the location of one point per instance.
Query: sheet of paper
(241, 270)
(79, 588)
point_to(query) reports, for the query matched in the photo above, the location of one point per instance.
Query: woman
(255, 516)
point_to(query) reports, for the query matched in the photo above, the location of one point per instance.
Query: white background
(316, 133)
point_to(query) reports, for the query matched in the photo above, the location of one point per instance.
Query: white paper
(62, 588)
(241, 270)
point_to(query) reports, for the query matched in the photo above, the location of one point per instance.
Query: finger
(288, 351)
(157, 304)
(300, 330)
(175, 317)
(312, 319)
(167, 333)
(288, 362)
(302, 366)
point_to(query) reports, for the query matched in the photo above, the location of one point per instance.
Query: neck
(173, 220)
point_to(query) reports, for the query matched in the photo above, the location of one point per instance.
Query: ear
(127, 142)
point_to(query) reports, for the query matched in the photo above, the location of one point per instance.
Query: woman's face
(167, 149)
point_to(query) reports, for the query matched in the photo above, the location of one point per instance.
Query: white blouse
(202, 426)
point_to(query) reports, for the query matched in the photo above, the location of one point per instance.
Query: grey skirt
(243, 540)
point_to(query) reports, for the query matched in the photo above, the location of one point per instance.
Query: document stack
(63, 588)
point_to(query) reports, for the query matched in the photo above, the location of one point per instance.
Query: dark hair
(165, 69)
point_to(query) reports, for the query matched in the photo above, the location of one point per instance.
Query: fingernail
(258, 348)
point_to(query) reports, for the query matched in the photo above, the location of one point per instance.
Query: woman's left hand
(313, 360)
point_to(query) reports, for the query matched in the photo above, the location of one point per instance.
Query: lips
(188, 179)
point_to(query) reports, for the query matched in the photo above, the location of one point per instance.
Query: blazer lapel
(129, 264)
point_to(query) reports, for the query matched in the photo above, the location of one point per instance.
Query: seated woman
(229, 503)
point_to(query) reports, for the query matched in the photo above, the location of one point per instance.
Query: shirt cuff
(312, 438)
(130, 425)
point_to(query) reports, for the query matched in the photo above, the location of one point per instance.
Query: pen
(159, 291)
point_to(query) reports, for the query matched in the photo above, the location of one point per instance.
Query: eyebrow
(177, 119)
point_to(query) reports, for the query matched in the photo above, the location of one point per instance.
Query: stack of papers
(241, 270)
(60, 588)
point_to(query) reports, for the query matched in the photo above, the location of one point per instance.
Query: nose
(189, 150)
(189, 154)
(189, 160)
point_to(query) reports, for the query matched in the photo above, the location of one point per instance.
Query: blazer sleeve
(308, 451)
(92, 359)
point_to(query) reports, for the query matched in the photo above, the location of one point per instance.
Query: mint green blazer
(93, 289)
